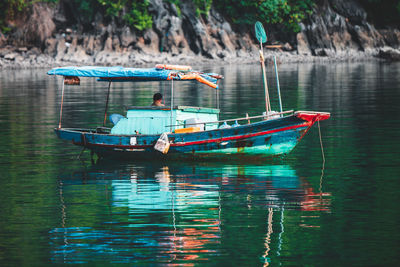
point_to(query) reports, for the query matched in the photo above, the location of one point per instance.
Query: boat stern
(76, 136)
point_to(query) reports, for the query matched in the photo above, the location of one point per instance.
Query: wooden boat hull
(269, 137)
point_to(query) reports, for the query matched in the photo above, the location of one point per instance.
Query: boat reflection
(171, 213)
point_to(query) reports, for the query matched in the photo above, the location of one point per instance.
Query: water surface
(248, 211)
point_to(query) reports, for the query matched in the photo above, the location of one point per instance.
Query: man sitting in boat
(157, 99)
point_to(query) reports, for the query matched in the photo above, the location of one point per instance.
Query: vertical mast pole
(277, 85)
(172, 100)
(267, 103)
(105, 111)
(62, 102)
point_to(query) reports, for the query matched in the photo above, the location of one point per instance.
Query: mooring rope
(322, 147)
(323, 160)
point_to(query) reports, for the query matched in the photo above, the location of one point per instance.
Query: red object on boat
(312, 116)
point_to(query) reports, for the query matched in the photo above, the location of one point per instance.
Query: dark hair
(157, 96)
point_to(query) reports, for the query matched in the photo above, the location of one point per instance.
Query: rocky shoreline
(24, 58)
(336, 31)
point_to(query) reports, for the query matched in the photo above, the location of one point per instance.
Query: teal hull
(273, 137)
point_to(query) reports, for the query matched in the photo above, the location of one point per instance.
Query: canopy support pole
(277, 85)
(172, 100)
(217, 95)
(217, 99)
(105, 111)
(62, 102)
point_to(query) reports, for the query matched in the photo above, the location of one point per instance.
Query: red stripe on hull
(241, 136)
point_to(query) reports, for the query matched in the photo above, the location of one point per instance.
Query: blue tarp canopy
(134, 74)
(112, 72)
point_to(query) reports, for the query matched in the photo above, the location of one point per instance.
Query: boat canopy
(159, 73)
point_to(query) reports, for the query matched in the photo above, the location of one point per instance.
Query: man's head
(157, 97)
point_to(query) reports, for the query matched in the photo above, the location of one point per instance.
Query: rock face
(50, 35)
(389, 54)
(339, 28)
(37, 27)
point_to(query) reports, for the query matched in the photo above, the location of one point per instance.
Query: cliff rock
(36, 28)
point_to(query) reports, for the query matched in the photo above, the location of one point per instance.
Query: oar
(262, 38)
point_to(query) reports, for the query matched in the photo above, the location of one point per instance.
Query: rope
(323, 161)
(322, 147)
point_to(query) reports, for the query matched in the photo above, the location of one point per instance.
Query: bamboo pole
(105, 111)
(217, 92)
(277, 85)
(237, 119)
(273, 46)
(172, 100)
(262, 61)
(62, 103)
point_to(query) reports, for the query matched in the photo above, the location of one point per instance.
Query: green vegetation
(131, 12)
(134, 13)
(202, 7)
(86, 10)
(383, 12)
(177, 5)
(138, 15)
(285, 12)
(9, 10)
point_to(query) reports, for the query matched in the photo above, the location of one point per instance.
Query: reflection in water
(174, 213)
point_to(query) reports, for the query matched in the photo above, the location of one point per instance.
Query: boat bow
(312, 116)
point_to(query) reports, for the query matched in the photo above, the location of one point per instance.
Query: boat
(180, 130)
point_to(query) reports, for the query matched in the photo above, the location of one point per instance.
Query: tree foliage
(131, 12)
(202, 7)
(9, 10)
(285, 12)
(134, 13)
(383, 12)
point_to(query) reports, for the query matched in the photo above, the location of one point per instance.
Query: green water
(249, 211)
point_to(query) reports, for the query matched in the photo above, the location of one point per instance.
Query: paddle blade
(260, 32)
